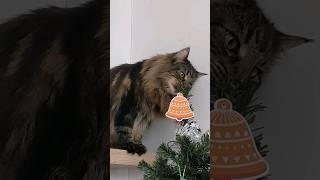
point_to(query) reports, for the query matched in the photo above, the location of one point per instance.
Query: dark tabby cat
(244, 43)
(142, 92)
(54, 95)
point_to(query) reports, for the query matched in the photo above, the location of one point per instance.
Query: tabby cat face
(243, 41)
(175, 72)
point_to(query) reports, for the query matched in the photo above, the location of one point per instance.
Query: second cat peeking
(141, 92)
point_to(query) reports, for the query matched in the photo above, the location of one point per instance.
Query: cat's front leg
(127, 142)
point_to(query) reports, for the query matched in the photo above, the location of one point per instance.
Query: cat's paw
(133, 148)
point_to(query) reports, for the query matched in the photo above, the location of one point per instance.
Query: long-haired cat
(54, 95)
(141, 93)
(244, 43)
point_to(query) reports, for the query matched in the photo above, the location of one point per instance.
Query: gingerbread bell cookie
(179, 108)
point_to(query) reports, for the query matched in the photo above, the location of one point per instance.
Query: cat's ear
(200, 74)
(289, 41)
(182, 55)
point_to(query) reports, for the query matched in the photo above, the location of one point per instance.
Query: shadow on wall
(292, 94)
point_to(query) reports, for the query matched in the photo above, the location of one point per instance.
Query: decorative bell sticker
(179, 108)
(235, 155)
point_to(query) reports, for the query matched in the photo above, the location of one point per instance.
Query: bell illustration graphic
(179, 108)
(234, 153)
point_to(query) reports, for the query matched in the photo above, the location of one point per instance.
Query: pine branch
(177, 156)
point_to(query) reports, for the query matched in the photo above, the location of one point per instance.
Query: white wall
(161, 27)
(120, 32)
(292, 93)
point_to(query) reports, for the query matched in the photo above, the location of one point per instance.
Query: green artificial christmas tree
(186, 158)
(182, 159)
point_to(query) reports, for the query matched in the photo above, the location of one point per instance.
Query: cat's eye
(182, 75)
(231, 42)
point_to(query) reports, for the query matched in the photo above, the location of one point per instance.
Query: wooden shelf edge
(120, 157)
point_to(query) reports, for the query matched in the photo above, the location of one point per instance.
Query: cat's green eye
(231, 42)
(182, 75)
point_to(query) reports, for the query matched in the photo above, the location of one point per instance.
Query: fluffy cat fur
(54, 95)
(243, 40)
(141, 93)
(244, 43)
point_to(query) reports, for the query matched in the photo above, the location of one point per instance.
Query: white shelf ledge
(120, 157)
